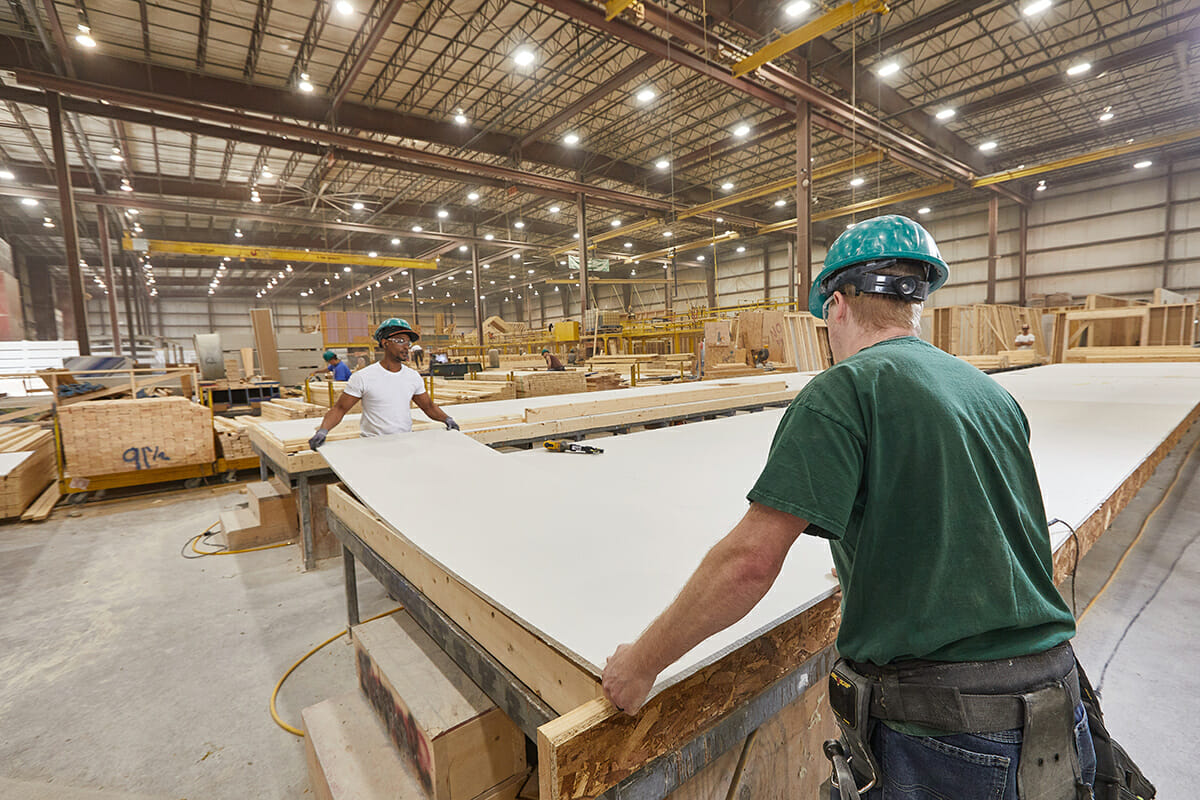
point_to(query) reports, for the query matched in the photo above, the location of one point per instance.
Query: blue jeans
(964, 766)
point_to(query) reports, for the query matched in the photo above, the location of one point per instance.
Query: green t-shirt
(916, 466)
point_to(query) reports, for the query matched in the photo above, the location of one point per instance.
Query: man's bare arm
(734, 575)
(334, 415)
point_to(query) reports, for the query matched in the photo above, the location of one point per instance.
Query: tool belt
(1036, 693)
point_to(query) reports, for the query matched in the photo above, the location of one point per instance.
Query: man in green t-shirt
(916, 467)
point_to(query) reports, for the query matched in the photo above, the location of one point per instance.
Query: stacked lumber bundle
(1005, 359)
(27, 467)
(1099, 355)
(104, 437)
(290, 409)
(650, 366)
(446, 391)
(530, 361)
(325, 393)
(538, 383)
(232, 439)
(602, 381)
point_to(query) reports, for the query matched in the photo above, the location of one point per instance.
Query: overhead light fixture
(1036, 7)
(741, 130)
(460, 118)
(1041, 187)
(47, 222)
(266, 173)
(358, 205)
(84, 37)
(662, 163)
(372, 254)
(667, 234)
(890, 68)
(116, 155)
(473, 196)
(628, 244)
(616, 223)
(417, 229)
(646, 95)
(797, 8)
(523, 57)
(396, 240)
(442, 213)
(700, 258)
(238, 233)
(946, 113)
(1079, 69)
(305, 83)
(462, 248)
(923, 210)
(125, 185)
(487, 237)
(6, 175)
(727, 185)
(571, 139)
(741, 249)
(1142, 164)
(516, 256)
(554, 209)
(720, 220)
(780, 203)
(857, 181)
(987, 147)
(1107, 114)
(28, 201)
(345, 269)
(344, 8)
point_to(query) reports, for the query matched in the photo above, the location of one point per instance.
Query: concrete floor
(128, 672)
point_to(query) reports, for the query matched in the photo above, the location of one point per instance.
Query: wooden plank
(589, 750)
(554, 678)
(610, 405)
(264, 342)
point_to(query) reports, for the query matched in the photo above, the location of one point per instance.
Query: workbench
(532, 629)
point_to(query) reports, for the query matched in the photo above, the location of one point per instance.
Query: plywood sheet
(10, 461)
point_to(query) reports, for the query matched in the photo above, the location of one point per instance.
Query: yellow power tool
(560, 446)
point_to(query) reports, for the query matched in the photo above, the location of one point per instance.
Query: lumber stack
(233, 441)
(604, 380)
(539, 383)
(456, 392)
(104, 437)
(290, 409)
(27, 467)
(1100, 355)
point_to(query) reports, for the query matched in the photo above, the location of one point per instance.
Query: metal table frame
(657, 778)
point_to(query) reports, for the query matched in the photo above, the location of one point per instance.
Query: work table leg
(306, 531)
(351, 587)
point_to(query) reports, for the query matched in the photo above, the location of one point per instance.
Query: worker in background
(552, 362)
(572, 356)
(916, 467)
(387, 388)
(1024, 339)
(418, 355)
(333, 366)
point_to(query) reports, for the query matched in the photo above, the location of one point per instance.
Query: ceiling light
(345, 269)
(857, 181)
(662, 163)
(372, 254)
(396, 241)
(923, 210)
(741, 130)
(727, 185)
(47, 223)
(442, 213)
(344, 8)
(946, 113)
(1079, 69)
(306, 86)
(720, 219)
(462, 248)
(667, 234)
(6, 175)
(518, 224)
(84, 37)
(780, 203)
(28, 201)
(741, 249)
(890, 68)
(1142, 164)
(1107, 114)
(987, 147)
(645, 95)
(571, 139)
(460, 118)
(1041, 187)
(417, 228)
(797, 8)
(376, 284)
(699, 258)
(554, 209)
(1036, 7)
(487, 237)
(517, 256)
(575, 235)
(224, 259)
(125, 186)
(280, 275)
(238, 233)
(358, 205)
(266, 173)
(523, 57)
(326, 281)
(616, 223)
(116, 155)
(629, 244)
(473, 196)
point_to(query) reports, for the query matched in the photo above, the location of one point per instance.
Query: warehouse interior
(603, 220)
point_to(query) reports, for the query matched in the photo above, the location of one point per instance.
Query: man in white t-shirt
(387, 389)
(1024, 340)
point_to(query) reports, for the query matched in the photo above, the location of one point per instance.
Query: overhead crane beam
(156, 246)
(807, 32)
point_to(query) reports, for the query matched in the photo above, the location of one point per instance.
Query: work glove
(451, 425)
(317, 439)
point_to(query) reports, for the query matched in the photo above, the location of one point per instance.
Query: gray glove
(451, 425)
(317, 439)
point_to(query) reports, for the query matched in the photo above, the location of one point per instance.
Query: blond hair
(878, 312)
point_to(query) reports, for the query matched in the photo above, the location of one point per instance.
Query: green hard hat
(544, 351)
(888, 236)
(395, 325)
(329, 355)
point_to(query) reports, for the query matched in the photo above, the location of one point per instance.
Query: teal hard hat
(544, 351)
(392, 326)
(891, 236)
(329, 355)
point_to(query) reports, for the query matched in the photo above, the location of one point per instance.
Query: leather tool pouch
(1049, 767)
(850, 700)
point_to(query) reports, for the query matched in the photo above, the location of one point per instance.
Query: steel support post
(581, 227)
(801, 260)
(107, 259)
(66, 202)
(993, 236)
(1022, 255)
(477, 300)
(766, 268)
(412, 288)
(1167, 224)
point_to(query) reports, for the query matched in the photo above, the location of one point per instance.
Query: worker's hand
(626, 682)
(317, 439)
(451, 425)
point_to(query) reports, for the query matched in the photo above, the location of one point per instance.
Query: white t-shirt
(386, 398)
(1025, 341)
